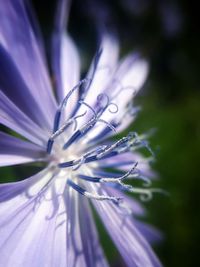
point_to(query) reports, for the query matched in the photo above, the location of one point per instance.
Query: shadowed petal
(82, 241)
(16, 151)
(45, 223)
(130, 243)
(29, 212)
(18, 39)
(12, 117)
(150, 233)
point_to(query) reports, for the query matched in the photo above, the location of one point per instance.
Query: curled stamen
(122, 88)
(117, 144)
(88, 106)
(113, 105)
(91, 195)
(107, 180)
(145, 194)
(108, 124)
(64, 103)
(103, 97)
(79, 133)
(84, 157)
(65, 100)
(61, 130)
(121, 177)
(92, 73)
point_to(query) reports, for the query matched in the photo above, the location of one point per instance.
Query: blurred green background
(166, 32)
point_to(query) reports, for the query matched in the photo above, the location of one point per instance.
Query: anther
(91, 195)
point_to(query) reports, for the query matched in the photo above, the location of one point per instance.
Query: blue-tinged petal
(94, 255)
(30, 216)
(103, 68)
(82, 242)
(150, 233)
(45, 223)
(100, 72)
(16, 151)
(126, 160)
(18, 39)
(65, 58)
(13, 86)
(126, 82)
(120, 87)
(36, 27)
(131, 244)
(129, 203)
(12, 117)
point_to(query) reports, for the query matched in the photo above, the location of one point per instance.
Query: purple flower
(46, 220)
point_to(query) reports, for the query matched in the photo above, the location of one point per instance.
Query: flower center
(70, 148)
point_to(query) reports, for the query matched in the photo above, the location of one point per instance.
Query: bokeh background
(166, 33)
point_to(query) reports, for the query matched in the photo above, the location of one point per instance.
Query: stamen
(103, 97)
(108, 124)
(117, 144)
(107, 180)
(93, 71)
(88, 106)
(64, 103)
(87, 160)
(61, 130)
(79, 133)
(114, 105)
(91, 195)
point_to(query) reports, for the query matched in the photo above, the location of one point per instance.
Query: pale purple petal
(152, 234)
(121, 86)
(12, 117)
(130, 204)
(44, 223)
(18, 39)
(93, 252)
(127, 80)
(82, 241)
(29, 217)
(130, 243)
(65, 58)
(126, 160)
(104, 69)
(16, 151)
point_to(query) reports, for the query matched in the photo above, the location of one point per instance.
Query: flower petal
(83, 245)
(18, 39)
(45, 223)
(65, 57)
(16, 151)
(103, 68)
(121, 86)
(130, 243)
(150, 233)
(126, 161)
(127, 80)
(12, 117)
(29, 215)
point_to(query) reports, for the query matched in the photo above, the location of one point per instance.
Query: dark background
(166, 32)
